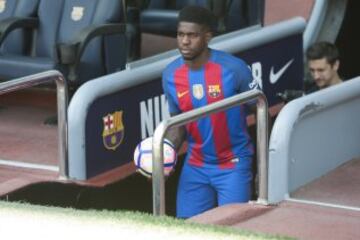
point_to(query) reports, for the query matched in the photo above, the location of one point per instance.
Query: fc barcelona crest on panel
(113, 133)
(214, 91)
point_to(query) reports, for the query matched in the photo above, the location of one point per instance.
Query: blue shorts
(201, 189)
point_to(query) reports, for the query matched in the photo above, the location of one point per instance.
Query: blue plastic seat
(182, 3)
(83, 39)
(160, 17)
(242, 13)
(11, 11)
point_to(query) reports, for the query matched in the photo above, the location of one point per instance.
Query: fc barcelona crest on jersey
(214, 91)
(77, 13)
(113, 133)
(198, 91)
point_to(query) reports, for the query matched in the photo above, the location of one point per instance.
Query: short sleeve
(245, 79)
(246, 82)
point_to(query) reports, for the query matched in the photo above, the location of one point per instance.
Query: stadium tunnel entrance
(133, 193)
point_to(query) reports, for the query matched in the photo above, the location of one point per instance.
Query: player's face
(323, 72)
(192, 40)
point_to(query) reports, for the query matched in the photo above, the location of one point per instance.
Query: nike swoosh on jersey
(181, 94)
(274, 77)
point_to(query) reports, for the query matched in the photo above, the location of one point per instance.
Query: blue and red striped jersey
(221, 137)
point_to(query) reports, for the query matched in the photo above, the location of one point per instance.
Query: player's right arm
(176, 135)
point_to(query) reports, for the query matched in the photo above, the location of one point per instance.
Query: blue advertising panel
(277, 66)
(116, 123)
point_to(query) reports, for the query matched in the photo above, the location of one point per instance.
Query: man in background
(323, 64)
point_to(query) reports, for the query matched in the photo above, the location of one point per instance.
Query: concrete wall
(313, 135)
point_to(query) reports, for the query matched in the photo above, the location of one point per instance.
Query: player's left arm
(247, 83)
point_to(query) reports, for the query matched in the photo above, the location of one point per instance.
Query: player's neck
(199, 61)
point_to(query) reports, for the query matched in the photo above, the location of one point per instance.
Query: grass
(21, 221)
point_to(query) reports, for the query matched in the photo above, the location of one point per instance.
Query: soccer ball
(143, 157)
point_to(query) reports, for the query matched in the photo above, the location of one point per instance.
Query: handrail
(62, 100)
(187, 117)
(315, 22)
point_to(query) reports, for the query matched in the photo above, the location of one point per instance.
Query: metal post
(158, 182)
(62, 101)
(262, 148)
(62, 104)
(187, 117)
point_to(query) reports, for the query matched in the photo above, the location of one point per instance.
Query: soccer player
(218, 165)
(323, 63)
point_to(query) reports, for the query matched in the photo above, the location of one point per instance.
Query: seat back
(49, 14)
(62, 20)
(204, 3)
(157, 4)
(18, 41)
(243, 13)
(235, 17)
(177, 4)
(161, 17)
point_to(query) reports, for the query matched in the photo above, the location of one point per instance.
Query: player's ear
(336, 65)
(208, 36)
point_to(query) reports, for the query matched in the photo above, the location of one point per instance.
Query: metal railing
(187, 117)
(62, 101)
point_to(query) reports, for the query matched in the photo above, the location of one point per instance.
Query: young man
(218, 165)
(323, 63)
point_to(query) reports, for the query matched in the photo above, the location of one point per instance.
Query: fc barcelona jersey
(219, 138)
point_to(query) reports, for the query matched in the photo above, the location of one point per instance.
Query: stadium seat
(181, 3)
(158, 4)
(12, 13)
(160, 17)
(83, 39)
(242, 13)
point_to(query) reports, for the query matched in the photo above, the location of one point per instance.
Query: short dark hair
(199, 15)
(321, 50)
